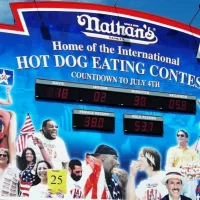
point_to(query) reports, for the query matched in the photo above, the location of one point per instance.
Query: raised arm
(45, 155)
(12, 136)
(170, 159)
(131, 191)
(65, 157)
(8, 101)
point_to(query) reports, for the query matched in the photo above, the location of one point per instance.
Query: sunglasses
(3, 155)
(180, 135)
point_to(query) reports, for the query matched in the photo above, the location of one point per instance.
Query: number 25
(59, 178)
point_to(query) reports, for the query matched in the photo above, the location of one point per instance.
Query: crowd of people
(98, 176)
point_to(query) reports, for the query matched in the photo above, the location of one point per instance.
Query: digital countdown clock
(103, 95)
(93, 120)
(143, 124)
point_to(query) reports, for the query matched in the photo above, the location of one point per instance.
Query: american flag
(26, 132)
(24, 188)
(95, 186)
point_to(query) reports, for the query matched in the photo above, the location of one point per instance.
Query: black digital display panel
(143, 124)
(103, 95)
(93, 120)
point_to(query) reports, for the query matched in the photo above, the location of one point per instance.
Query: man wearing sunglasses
(54, 146)
(9, 176)
(180, 155)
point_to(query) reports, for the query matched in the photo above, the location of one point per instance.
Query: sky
(178, 10)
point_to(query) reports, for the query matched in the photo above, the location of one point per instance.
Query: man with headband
(174, 182)
(151, 188)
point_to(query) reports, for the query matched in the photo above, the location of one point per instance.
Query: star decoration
(4, 77)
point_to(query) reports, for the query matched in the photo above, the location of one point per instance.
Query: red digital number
(140, 101)
(143, 126)
(93, 122)
(150, 126)
(176, 104)
(101, 122)
(184, 105)
(64, 93)
(99, 96)
(137, 126)
(57, 92)
(87, 121)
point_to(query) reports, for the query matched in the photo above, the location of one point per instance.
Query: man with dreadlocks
(152, 187)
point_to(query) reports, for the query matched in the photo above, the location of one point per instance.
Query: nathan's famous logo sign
(116, 31)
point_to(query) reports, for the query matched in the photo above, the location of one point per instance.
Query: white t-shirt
(152, 188)
(75, 189)
(55, 149)
(38, 191)
(9, 181)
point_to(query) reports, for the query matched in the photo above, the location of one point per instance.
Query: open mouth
(54, 134)
(115, 170)
(42, 174)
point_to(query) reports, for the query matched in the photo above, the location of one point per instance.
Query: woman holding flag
(27, 165)
(27, 175)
